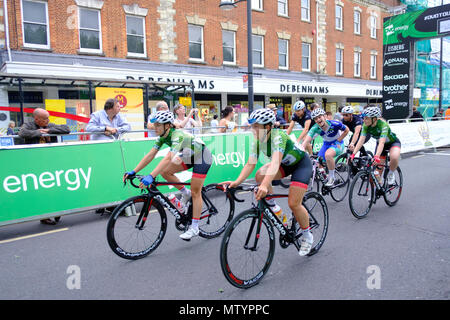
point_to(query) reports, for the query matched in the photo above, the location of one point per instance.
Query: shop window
(136, 36)
(90, 30)
(35, 24)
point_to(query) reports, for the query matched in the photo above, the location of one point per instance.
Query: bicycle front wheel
(217, 211)
(247, 249)
(361, 195)
(393, 192)
(342, 176)
(136, 227)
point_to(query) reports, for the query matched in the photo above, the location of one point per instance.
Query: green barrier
(52, 180)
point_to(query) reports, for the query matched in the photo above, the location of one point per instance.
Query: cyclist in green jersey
(185, 152)
(286, 158)
(387, 141)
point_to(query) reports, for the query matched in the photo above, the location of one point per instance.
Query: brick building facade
(296, 43)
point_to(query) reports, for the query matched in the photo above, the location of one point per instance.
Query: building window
(305, 10)
(257, 4)
(258, 50)
(357, 22)
(306, 56)
(339, 61)
(357, 64)
(196, 42)
(373, 26)
(283, 7)
(90, 30)
(339, 24)
(35, 24)
(136, 36)
(229, 46)
(373, 66)
(283, 54)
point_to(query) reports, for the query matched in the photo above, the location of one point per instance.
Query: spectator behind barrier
(32, 132)
(108, 121)
(279, 119)
(416, 115)
(160, 106)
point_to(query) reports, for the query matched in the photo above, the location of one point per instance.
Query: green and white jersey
(278, 141)
(180, 141)
(380, 130)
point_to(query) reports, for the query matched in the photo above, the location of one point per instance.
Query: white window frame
(262, 49)
(356, 22)
(234, 48)
(373, 66)
(202, 59)
(286, 53)
(87, 50)
(309, 56)
(34, 45)
(341, 18)
(341, 71)
(357, 64)
(134, 54)
(286, 7)
(257, 5)
(373, 26)
(307, 10)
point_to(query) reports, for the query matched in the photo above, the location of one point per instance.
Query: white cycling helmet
(372, 112)
(348, 109)
(317, 112)
(162, 117)
(262, 116)
(299, 105)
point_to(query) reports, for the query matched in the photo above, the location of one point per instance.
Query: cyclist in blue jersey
(303, 117)
(333, 133)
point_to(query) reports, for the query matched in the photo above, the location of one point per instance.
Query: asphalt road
(406, 247)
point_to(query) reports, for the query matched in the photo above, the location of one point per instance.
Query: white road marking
(33, 235)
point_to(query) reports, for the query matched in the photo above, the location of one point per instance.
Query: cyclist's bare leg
(296, 193)
(169, 173)
(394, 155)
(329, 157)
(197, 182)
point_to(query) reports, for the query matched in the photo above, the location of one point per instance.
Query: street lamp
(228, 5)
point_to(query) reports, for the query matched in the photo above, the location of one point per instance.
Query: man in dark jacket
(32, 133)
(416, 115)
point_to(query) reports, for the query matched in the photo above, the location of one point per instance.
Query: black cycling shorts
(200, 163)
(388, 146)
(301, 172)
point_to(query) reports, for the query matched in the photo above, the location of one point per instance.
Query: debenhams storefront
(215, 87)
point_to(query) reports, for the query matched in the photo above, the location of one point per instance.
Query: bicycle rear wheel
(318, 220)
(393, 192)
(362, 193)
(136, 227)
(246, 256)
(217, 211)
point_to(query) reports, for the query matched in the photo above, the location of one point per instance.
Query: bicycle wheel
(342, 182)
(362, 193)
(217, 211)
(393, 192)
(136, 227)
(318, 220)
(245, 257)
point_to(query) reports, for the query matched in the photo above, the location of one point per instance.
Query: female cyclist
(185, 152)
(387, 141)
(286, 159)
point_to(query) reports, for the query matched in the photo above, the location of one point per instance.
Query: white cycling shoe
(305, 246)
(188, 235)
(330, 182)
(391, 179)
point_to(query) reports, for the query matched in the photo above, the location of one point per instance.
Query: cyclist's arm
(273, 168)
(380, 147)
(343, 135)
(305, 130)
(291, 127)
(360, 143)
(355, 135)
(146, 160)
(306, 141)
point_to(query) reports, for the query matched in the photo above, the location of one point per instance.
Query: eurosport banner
(399, 35)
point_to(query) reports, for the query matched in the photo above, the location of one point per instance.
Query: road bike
(138, 225)
(248, 244)
(368, 186)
